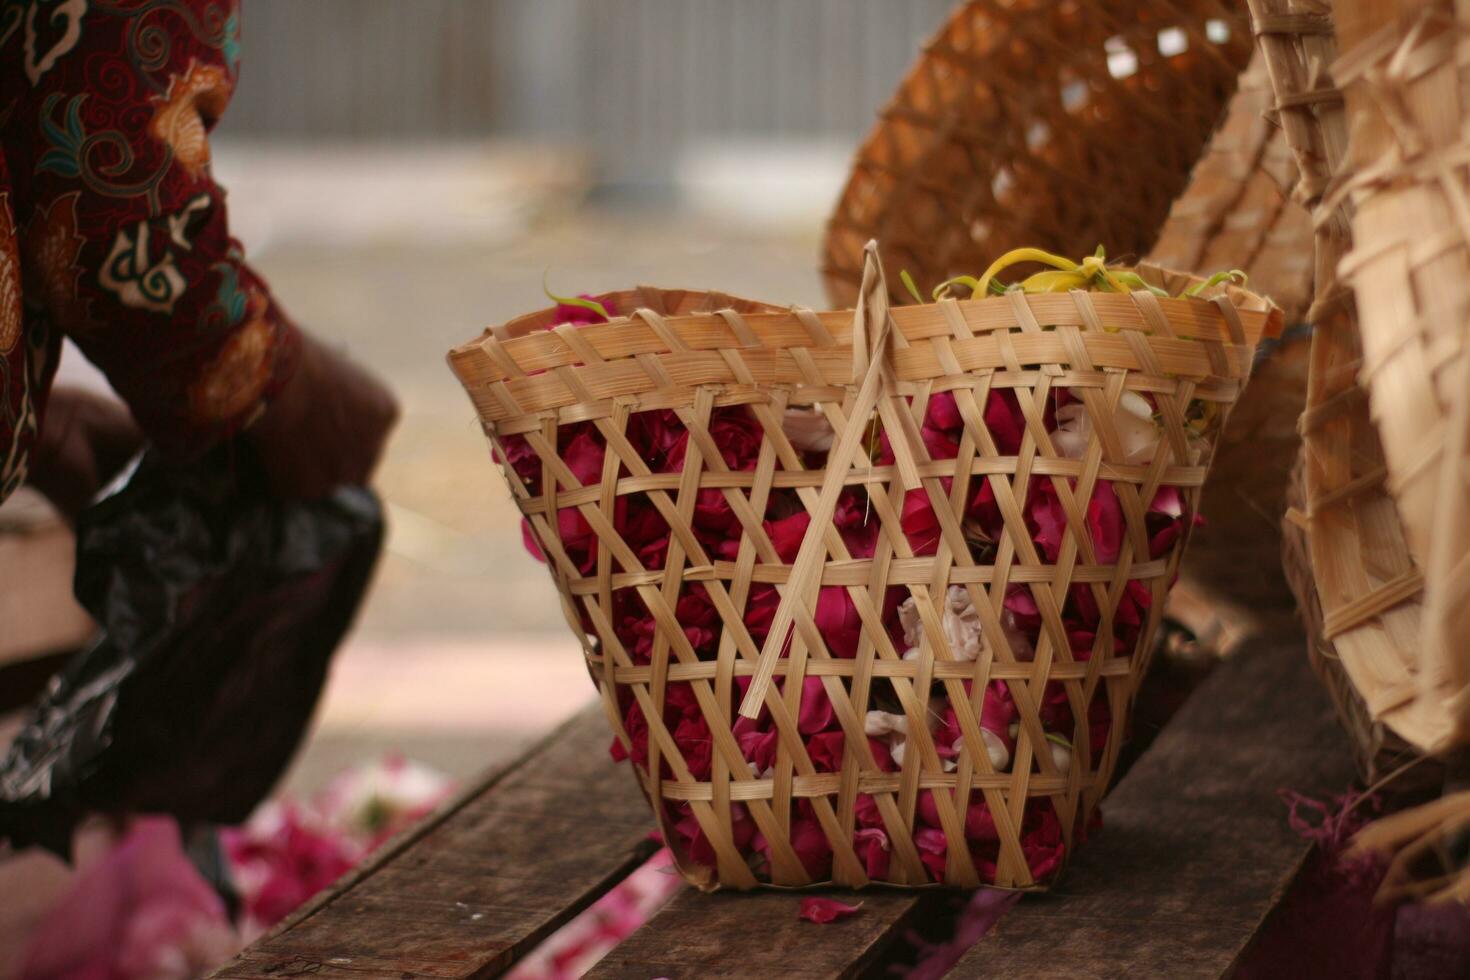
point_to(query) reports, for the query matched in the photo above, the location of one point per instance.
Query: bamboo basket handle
(872, 333)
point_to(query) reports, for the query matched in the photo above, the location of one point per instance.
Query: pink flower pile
(662, 441)
(290, 850)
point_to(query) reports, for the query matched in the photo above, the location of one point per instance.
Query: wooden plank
(758, 934)
(1195, 849)
(475, 887)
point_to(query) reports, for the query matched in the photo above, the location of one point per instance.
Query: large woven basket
(1367, 584)
(1397, 770)
(1403, 72)
(1237, 212)
(1058, 124)
(754, 674)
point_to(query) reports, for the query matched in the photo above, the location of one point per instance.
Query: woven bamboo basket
(1366, 581)
(981, 150)
(1237, 212)
(1409, 269)
(754, 674)
(1385, 760)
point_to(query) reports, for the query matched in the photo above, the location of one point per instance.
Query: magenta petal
(825, 910)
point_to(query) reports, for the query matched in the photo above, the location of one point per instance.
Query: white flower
(808, 430)
(1061, 755)
(878, 724)
(1000, 756)
(960, 621)
(383, 796)
(1137, 431)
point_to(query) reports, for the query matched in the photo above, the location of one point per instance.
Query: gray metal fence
(632, 80)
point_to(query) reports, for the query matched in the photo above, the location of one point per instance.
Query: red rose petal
(825, 910)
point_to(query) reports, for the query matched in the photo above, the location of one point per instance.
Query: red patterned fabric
(112, 231)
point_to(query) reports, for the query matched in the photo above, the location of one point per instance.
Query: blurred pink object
(140, 910)
(282, 857)
(289, 851)
(574, 948)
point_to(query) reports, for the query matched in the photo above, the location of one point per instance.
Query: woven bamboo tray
(1410, 271)
(982, 150)
(940, 814)
(1367, 583)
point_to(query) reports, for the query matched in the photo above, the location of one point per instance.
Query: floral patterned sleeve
(106, 107)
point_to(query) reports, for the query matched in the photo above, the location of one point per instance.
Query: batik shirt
(112, 231)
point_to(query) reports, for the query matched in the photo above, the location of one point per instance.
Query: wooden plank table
(1194, 854)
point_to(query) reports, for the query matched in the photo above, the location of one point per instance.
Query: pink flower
(656, 435)
(787, 533)
(1004, 420)
(838, 621)
(865, 809)
(583, 454)
(521, 458)
(284, 859)
(856, 522)
(760, 610)
(825, 910)
(1045, 518)
(1105, 523)
(700, 619)
(643, 528)
(572, 313)
(919, 522)
(696, 845)
(815, 714)
(692, 738)
(1165, 521)
(1043, 846)
(757, 745)
(933, 846)
(871, 844)
(825, 750)
(810, 845)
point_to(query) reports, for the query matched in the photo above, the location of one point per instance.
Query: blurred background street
(405, 174)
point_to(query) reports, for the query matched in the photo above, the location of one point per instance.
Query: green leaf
(586, 304)
(908, 283)
(1234, 276)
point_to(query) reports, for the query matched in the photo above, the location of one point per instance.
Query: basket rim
(513, 351)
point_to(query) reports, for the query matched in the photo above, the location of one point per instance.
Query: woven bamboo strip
(877, 363)
(980, 149)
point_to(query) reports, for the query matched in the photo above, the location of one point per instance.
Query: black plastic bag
(220, 607)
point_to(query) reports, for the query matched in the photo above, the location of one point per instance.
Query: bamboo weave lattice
(1058, 124)
(1368, 585)
(946, 812)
